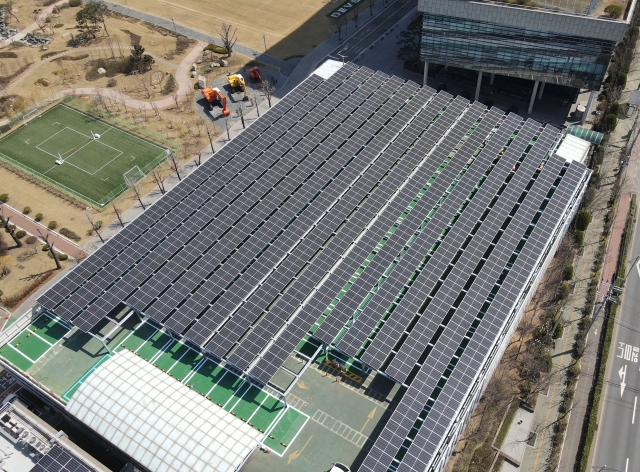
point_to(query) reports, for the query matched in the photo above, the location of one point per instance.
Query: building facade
(565, 45)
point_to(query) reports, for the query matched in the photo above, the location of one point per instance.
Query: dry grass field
(292, 28)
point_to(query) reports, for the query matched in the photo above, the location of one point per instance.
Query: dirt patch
(134, 39)
(26, 269)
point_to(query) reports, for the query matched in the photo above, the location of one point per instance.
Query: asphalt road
(617, 440)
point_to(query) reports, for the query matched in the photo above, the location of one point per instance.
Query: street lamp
(174, 25)
(264, 38)
(342, 56)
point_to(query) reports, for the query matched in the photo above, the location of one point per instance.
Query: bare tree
(240, 113)
(355, 13)
(40, 21)
(118, 213)
(111, 48)
(146, 88)
(228, 35)
(371, 3)
(157, 177)
(209, 135)
(340, 23)
(268, 90)
(50, 245)
(95, 226)
(11, 231)
(136, 190)
(120, 48)
(226, 124)
(175, 98)
(156, 112)
(175, 163)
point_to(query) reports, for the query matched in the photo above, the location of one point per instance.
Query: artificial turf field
(92, 168)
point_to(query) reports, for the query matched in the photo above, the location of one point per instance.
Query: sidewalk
(31, 226)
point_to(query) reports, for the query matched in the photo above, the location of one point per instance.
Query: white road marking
(633, 418)
(626, 468)
(27, 141)
(623, 376)
(638, 267)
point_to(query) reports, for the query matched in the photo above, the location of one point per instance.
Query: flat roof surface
(400, 227)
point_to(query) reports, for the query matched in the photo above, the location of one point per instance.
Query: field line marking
(40, 337)
(147, 340)
(194, 369)
(259, 406)
(20, 352)
(243, 382)
(128, 336)
(217, 383)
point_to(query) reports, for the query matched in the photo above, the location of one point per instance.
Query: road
(616, 443)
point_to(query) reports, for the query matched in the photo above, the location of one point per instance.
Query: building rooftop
(333, 285)
(594, 8)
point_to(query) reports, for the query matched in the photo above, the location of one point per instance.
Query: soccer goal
(35, 113)
(133, 176)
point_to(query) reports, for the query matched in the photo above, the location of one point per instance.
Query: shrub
(613, 11)
(45, 248)
(614, 109)
(217, 49)
(182, 43)
(563, 291)
(26, 210)
(622, 80)
(52, 224)
(112, 83)
(582, 220)
(610, 122)
(112, 68)
(21, 234)
(31, 240)
(75, 3)
(63, 257)
(169, 84)
(579, 238)
(62, 6)
(69, 234)
(38, 217)
(4, 197)
(1, 293)
(557, 333)
(58, 25)
(568, 273)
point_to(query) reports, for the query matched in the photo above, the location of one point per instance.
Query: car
(338, 467)
(441, 87)
(513, 109)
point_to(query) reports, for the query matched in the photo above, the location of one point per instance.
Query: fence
(124, 123)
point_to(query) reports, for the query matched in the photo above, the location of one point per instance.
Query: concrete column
(478, 85)
(541, 90)
(587, 111)
(426, 73)
(533, 96)
(493, 76)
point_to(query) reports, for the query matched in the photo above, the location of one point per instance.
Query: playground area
(79, 153)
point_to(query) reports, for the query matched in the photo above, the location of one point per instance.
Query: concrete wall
(507, 14)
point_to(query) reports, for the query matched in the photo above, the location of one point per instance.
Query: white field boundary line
(42, 226)
(80, 149)
(39, 337)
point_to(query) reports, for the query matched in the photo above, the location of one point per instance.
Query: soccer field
(94, 154)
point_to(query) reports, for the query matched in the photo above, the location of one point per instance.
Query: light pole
(174, 25)
(264, 38)
(342, 56)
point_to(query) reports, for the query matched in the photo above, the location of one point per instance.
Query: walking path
(31, 226)
(32, 27)
(284, 66)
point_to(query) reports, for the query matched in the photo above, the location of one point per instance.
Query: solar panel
(60, 460)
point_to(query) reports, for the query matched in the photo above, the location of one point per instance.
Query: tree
(240, 113)
(87, 22)
(340, 23)
(3, 246)
(355, 13)
(610, 122)
(50, 248)
(10, 229)
(621, 81)
(409, 41)
(157, 177)
(579, 238)
(228, 35)
(139, 60)
(118, 213)
(175, 163)
(582, 220)
(95, 226)
(268, 90)
(371, 3)
(567, 274)
(97, 9)
(613, 11)
(136, 191)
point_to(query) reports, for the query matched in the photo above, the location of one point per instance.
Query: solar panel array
(59, 459)
(392, 222)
